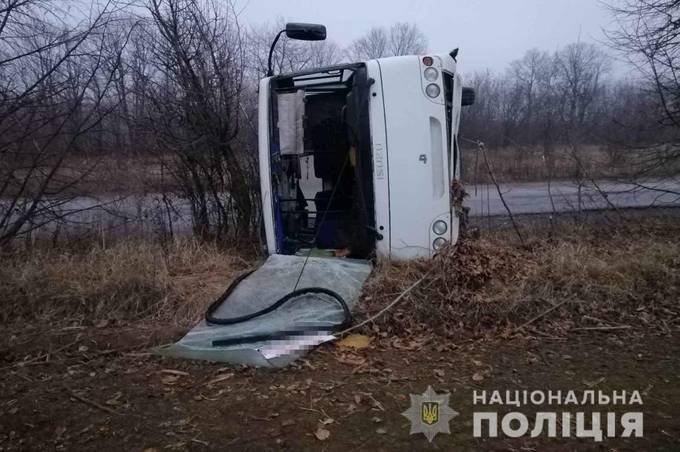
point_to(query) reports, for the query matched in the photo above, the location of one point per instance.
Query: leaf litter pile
(628, 280)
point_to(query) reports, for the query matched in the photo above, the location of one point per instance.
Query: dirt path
(98, 389)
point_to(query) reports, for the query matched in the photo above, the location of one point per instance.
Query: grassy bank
(129, 280)
(620, 276)
(624, 276)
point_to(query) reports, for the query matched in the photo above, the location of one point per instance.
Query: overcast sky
(490, 33)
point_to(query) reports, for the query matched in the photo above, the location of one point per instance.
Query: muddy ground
(75, 388)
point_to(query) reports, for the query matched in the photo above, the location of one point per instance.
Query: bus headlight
(439, 243)
(439, 227)
(431, 74)
(432, 90)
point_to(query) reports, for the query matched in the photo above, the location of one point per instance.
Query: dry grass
(635, 283)
(129, 280)
(625, 276)
(528, 164)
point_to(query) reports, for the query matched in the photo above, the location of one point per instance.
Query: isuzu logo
(379, 157)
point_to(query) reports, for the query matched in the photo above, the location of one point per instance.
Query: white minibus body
(359, 159)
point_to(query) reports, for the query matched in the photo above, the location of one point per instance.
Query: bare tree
(374, 44)
(53, 82)
(406, 39)
(649, 34)
(198, 55)
(580, 69)
(379, 42)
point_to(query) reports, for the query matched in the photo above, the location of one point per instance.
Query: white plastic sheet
(273, 280)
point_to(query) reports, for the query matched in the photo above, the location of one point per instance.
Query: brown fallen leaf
(219, 379)
(402, 344)
(357, 341)
(115, 400)
(322, 434)
(352, 360)
(169, 379)
(179, 373)
(590, 384)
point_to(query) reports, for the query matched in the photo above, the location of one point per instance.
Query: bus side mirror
(306, 32)
(468, 97)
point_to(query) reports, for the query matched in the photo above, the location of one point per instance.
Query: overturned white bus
(358, 159)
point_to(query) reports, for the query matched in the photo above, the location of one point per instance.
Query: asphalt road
(562, 196)
(147, 213)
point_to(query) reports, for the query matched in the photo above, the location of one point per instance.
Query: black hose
(347, 315)
(210, 318)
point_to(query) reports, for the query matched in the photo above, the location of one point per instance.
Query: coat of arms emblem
(430, 413)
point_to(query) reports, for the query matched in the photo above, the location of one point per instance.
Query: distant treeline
(561, 98)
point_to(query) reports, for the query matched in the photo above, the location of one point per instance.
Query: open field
(111, 174)
(579, 307)
(531, 164)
